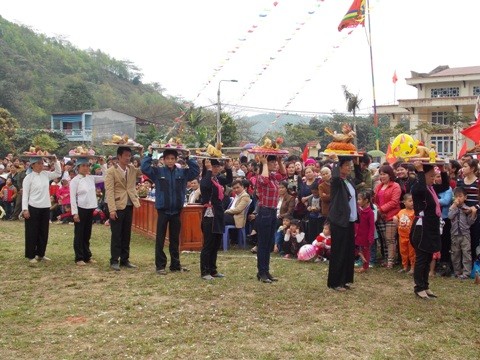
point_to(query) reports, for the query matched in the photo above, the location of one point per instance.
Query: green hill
(40, 75)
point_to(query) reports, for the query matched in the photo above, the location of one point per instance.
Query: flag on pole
(472, 132)
(394, 77)
(305, 153)
(477, 110)
(389, 155)
(463, 150)
(355, 16)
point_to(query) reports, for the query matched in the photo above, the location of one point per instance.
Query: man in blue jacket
(170, 189)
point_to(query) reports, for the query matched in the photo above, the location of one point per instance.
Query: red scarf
(220, 188)
(438, 211)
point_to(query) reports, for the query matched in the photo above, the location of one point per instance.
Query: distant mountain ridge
(264, 121)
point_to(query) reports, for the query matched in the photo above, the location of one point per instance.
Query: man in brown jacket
(121, 196)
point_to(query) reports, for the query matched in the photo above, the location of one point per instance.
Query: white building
(442, 91)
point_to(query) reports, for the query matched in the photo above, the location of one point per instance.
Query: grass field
(57, 310)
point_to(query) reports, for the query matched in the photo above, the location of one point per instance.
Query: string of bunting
(236, 48)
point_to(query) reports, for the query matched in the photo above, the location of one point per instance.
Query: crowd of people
(416, 218)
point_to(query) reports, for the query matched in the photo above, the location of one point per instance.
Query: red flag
(394, 77)
(477, 110)
(463, 150)
(305, 154)
(354, 17)
(389, 156)
(472, 132)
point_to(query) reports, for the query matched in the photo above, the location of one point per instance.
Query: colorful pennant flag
(355, 16)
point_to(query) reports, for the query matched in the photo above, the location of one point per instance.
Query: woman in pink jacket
(387, 199)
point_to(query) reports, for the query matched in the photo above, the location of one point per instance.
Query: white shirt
(83, 193)
(36, 188)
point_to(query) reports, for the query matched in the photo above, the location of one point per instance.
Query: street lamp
(219, 108)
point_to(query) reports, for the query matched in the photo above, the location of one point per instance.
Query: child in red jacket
(365, 228)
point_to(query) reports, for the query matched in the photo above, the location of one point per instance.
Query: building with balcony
(94, 126)
(441, 92)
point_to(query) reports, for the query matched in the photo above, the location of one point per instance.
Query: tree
(299, 134)
(353, 104)
(76, 97)
(8, 127)
(229, 130)
(45, 142)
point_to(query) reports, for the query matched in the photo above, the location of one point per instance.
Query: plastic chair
(242, 236)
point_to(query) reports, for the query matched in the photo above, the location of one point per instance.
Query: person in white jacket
(36, 208)
(83, 201)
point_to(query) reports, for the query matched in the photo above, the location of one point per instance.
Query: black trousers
(422, 269)
(342, 256)
(121, 229)
(82, 235)
(446, 243)
(211, 244)
(173, 222)
(36, 232)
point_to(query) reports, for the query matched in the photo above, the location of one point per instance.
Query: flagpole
(375, 114)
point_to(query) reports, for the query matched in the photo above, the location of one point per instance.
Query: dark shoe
(115, 267)
(264, 279)
(128, 265)
(422, 295)
(182, 269)
(430, 294)
(218, 275)
(271, 277)
(161, 272)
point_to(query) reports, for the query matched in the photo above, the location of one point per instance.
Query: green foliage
(45, 142)
(8, 126)
(146, 138)
(35, 70)
(299, 134)
(229, 130)
(22, 140)
(76, 96)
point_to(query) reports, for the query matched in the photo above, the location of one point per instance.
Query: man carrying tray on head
(170, 188)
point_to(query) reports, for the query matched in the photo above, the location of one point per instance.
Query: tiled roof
(468, 70)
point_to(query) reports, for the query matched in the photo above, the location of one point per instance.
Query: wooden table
(191, 237)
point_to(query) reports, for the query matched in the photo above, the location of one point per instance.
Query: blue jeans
(266, 221)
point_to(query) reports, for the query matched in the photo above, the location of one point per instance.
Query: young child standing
(323, 242)
(294, 239)
(462, 217)
(404, 220)
(314, 213)
(364, 229)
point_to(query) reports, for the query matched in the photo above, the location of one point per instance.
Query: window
(439, 118)
(443, 144)
(476, 90)
(445, 92)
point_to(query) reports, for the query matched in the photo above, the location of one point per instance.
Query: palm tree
(353, 104)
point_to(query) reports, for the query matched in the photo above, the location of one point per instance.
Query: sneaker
(115, 267)
(462, 277)
(218, 275)
(33, 261)
(46, 259)
(182, 269)
(161, 272)
(81, 263)
(92, 261)
(402, 270)
(128, 265)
